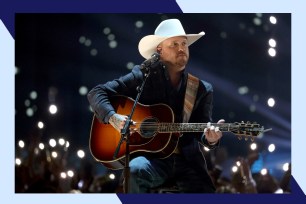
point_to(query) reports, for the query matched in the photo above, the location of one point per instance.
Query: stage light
(272, 52)
(81, 154)
(279, 191)
(286, 166)
(52, 109)
(234, 169)
(94, 52)
(63, 175)
(40, 125)
(113, 44)
(271, 102)
(87, 42)
(111, 37)
(33, 95)
(52, 142)
(83, 90)
(30, 112)
(41, 146)
(243, 90)
(67, 144)
(238, 163)
(54, 154)
(21, 144)
(272, 42)
(70, 173)
(252, 108)
(80, 183)
(17, 70)
(139, 24)
(223, 35)
(273, 19)
(27, 102)
(82, 39)
(36, 151)
(257, 21)
(106, 30)
(112, 176)
(264, 172)
(253, 146)
(61, 141)
(130, 65)
(271, 148)
(18, 161)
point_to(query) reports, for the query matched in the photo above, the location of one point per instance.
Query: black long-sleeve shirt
(158, 89)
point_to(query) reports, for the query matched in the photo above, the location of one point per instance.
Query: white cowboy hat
(166, 29)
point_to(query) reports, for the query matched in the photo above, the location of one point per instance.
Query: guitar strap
(190, 96)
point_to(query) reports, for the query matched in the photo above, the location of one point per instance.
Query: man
(166, 84)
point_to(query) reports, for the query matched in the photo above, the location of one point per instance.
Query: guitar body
(104, 139)
(156, 135)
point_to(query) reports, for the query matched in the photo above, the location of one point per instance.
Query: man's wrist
(212, 143)
(112, 118)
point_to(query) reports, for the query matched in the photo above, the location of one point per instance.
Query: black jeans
(150, 173)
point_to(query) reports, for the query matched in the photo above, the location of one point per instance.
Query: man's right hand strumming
(118, 122)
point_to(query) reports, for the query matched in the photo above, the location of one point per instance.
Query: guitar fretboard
(193, 127)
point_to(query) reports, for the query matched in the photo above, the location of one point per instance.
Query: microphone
(150, 62)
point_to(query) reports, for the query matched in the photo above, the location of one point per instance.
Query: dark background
(52, 60)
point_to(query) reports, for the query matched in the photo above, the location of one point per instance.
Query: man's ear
(158, 50)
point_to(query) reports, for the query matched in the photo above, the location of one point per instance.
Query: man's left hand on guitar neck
(212, 133)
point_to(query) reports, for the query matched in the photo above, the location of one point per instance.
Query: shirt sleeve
(206, 143)
(98, 97)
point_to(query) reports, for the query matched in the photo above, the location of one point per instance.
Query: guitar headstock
(248, 129)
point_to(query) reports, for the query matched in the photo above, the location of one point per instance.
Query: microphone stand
(125, 132)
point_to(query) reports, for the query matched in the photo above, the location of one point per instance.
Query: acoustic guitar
(156, 134)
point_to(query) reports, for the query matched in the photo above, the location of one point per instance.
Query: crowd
(39, 172)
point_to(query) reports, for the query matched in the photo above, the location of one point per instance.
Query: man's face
(174, 52)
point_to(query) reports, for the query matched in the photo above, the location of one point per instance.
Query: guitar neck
(149, 122)
(194, 127)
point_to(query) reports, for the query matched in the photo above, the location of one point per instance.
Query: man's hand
(118, 122)
(212, 133)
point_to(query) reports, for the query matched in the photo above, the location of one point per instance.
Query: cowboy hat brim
(148, 44)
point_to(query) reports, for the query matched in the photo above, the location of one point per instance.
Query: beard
(178, 62)
(182, 60)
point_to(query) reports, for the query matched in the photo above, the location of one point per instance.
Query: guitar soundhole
(148, 127)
